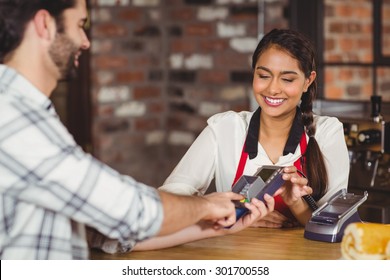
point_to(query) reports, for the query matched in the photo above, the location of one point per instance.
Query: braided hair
(15, 14)
(302, 49)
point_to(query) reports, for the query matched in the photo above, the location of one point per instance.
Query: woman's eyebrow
(269, 71)
(263, 68)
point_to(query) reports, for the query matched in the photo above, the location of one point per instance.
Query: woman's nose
(274, 87)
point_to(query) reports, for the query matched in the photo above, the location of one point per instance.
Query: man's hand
(221, 208)
(182, 211)
(257, 211)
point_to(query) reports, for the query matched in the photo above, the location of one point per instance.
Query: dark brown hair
(302, 49)
(15, 14)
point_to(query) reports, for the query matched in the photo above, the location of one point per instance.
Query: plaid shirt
(51, 190)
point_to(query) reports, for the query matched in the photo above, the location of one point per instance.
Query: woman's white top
(216, 152)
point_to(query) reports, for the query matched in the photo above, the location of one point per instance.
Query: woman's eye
(288, 80)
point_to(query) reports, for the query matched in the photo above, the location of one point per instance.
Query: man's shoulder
(7, 110)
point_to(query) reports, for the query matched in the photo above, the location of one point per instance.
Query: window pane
(386, 28)
(348, 31)
(383, 88)
(347, 83)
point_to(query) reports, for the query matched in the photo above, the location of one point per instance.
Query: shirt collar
(252, 142)
(21, 87)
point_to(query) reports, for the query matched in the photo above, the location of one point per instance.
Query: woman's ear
(45, 25)
(310, 80)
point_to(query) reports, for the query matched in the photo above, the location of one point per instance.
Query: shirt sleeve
(196, 169)
(330, 138)
(41, 165)
(96, 240)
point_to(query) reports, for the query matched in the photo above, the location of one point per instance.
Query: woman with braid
(283, 131)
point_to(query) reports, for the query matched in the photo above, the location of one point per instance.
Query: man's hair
(15, 14)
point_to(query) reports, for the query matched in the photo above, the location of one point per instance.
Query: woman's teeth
(274, 101)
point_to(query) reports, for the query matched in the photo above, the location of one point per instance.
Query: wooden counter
(249, 244)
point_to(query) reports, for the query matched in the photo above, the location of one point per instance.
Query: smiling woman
(283, 131)
(279, 82)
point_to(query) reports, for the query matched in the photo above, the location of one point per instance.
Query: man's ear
(45, 25)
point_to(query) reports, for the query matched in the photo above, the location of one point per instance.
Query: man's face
(63, 52)
(67, 45)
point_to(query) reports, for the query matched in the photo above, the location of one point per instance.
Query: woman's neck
(276, 127)
(273, 135)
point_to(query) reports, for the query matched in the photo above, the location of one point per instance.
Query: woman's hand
(294, 188)
(292, 191)
(274, 219)
(257, 210)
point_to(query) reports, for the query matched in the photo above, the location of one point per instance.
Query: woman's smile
(273, 101)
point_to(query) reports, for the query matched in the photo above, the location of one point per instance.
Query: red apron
(280, 206)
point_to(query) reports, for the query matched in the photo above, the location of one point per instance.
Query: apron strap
(280, 206)
(241, 165)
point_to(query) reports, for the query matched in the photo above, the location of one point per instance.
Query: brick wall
(161, 68)
(348, 36)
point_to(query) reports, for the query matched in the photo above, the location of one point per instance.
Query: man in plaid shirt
(51, 191)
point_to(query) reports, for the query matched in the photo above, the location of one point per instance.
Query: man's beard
(63, 52)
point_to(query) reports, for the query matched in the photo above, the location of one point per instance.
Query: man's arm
(183, 211)
(257, 209)
(203, 229)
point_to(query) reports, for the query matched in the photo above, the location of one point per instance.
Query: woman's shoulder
(327, 123)
(230, 117)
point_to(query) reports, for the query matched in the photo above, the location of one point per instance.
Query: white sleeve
(196, 169)
(330, 138)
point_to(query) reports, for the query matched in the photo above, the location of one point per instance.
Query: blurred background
(157, 69)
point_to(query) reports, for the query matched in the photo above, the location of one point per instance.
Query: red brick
(110, 62)
(338, 27)
(346, 44)
(333, 58)
(146, 124)
(105, 111)
(240, 106)
(199, 29)
(182, 14)
(130, 14)
(333, 92)
(364, 11)
(232, 60)
(142, 61)
(345, 75)
(214, 45)
(214, 77)
(146, 92)
(329, 77)
(329, 44)
(343, 10)
(156, 107)
(109, 30)
(183, 45)
(130, 76)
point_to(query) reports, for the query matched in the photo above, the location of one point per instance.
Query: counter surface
(249, 244)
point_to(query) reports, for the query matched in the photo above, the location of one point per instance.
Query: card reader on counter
(328, 222)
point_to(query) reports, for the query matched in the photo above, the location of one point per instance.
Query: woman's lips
(273, 101)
